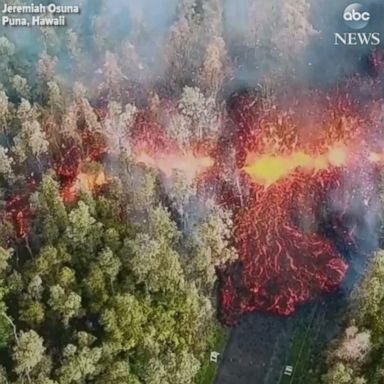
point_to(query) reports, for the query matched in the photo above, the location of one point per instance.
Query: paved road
(256, 350)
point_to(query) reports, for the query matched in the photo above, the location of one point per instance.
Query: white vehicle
(288, 370)
(214, 357)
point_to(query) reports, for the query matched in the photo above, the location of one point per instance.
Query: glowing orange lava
(277, 184)
(267, 169)
(294, 199)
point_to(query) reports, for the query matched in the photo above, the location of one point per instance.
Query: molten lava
(281, 264)
(292, 195)
(268, 169)
(296, 195)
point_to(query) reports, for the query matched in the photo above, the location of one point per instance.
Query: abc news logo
(357, 17)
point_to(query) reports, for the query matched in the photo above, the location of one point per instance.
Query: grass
(299, 356)
(294, 355)
(208, 369)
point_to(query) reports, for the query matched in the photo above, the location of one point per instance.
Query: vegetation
(113, 283)
(356, 356)
(300, 350)
(208, 369)
(81, 304)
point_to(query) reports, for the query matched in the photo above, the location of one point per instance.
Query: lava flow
(268, 169)
(301, 199)
(294, 203)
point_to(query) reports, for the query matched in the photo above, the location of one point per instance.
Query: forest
(124, 204)
(107, 269)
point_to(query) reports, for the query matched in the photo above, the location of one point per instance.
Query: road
(259, 346)
(255, 350)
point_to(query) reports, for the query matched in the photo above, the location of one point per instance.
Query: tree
(53, 218)
(79, 364)
(5, 164)
(4, 108)
(6, 326)
(113, 74)
(55, 99)
(154, 264)
(213, 71)
(123, 320)
(83, 230)
(86, 112)
(338, 374)
(101, 278)
(119, 372)
(210, 246)
(90, 116)
(369, 298)
(355, 346)
(70, 123)
(156, 372)
(119, 124)
(32, 312)
(179, 128)
(109, 264)
(37, 139)
(3, 376)
(20, 84)
(292, 28)
(46, 66)
(154, 261)
(215, 233)
(28, 352)
(195, 106)
(45, 263)
(26, 112)
(180, 368)
(66, 304)
(31, 140)
(97, 288)
(5, 256)
(184, 45)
